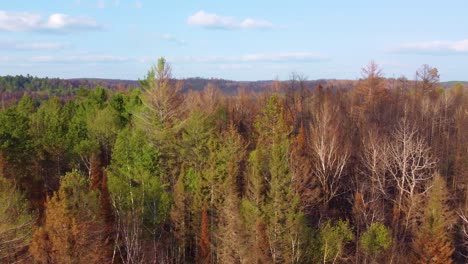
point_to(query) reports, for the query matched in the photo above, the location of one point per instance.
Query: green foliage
(134, 178)
(437, 215)
(48, 127)
(15, 222)
(14, 137)
(26, 105)
(118, 105)
(103, 127)
(270, 185)
(75, 196)
(376, 239)
(98, 97)
(29, 83)
(270, 124)
(225, 170)
(333, 238)
(433, 243)
(134, 99)
(78, 135)
(195, 150)
(197, 131)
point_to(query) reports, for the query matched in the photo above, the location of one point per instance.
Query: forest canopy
(369, 171)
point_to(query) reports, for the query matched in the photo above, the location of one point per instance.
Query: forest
(373, 173)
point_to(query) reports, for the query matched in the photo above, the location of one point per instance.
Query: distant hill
(227, 86)
(231, 87)
(452, 83)
(15, 86)
(56, 86)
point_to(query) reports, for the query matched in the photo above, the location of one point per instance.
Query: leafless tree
(329, 149)
(427, 76)
(410, 165)
(15, 224)
(128, 248)
(464, 219)
(372, 186)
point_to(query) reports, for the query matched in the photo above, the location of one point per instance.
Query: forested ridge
(13, 88)
(376, 173)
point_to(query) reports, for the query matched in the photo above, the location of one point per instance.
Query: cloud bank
(434, 47)
(79, 59)
(214, 21)
(31, 22)
(32, 46)
(261, 57)
(291, 56)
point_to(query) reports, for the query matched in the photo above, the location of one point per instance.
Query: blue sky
(239, 40)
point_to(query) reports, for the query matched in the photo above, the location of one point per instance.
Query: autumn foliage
(367, 171)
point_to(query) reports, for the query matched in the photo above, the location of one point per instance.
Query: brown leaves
(73, 231)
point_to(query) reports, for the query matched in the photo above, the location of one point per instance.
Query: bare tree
(464, 219)
(15, 224)
(372, 185)
(329, 149)
(410, 166)
(428, 77)
(128, 248)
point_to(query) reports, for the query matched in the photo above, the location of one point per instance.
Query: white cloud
(42, 46)
(255, 23)
(291, 56)
(235, 66)
(66, 22)
(79, 59)
(18, 21)
(26, 21)
(434, 47)
(214, 21)
(32, 46)
(260, 57)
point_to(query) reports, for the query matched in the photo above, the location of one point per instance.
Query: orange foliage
(204, 243)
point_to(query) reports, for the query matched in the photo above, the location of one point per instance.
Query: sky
(237, 40)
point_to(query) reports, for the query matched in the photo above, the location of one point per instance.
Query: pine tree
(432, 244)
(375, 240)
(140, 199)
(232, 245)
(271, 185)
(333, 238)
(73, 231)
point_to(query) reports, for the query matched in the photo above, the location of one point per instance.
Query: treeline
(56, 86)
(13, 88)
(373, 174)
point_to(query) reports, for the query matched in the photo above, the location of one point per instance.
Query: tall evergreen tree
(272, 187)
(433, 242)
(73, 230)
